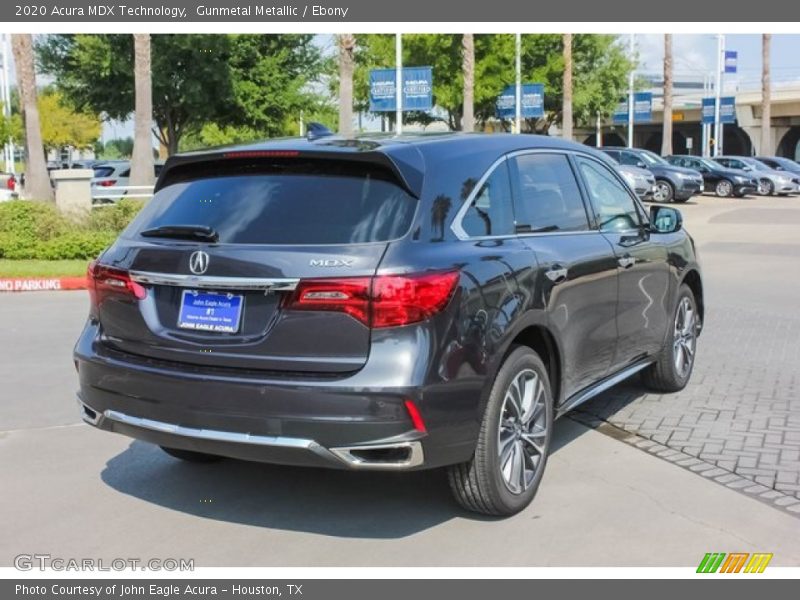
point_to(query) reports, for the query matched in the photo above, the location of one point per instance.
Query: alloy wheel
(764, 187)
(662, 192)
(685, 337)
(521, 440)
(724, 188)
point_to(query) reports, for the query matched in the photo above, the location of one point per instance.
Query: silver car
(642, 181)
(769, 181)
(111, 179)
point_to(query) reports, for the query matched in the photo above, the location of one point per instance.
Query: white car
(110, 179)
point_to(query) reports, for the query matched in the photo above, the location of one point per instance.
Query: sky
(694, 56)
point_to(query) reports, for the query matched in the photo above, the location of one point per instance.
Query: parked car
(724, 182)
(110, 176)
(785, 165)
(642, 181)
(673, 184)
(8, 186)
(337, 304)
(769, 181)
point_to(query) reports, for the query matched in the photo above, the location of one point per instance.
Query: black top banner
(382, 11)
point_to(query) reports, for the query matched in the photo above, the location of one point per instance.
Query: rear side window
(103, 171)
(491, 212)
(548, 197)
(303, 202)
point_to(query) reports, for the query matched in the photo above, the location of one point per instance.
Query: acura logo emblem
(198, 262)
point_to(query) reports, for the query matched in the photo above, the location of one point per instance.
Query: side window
(627, 158)
(491, 213)
(613, 154)
(548, 197)
(615, 207)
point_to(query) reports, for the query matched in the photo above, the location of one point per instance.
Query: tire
(673, 369)
(483, 484)
(664, 191)
(765, 187)
(191, 456)
(724, 188)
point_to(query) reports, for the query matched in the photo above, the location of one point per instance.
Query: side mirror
(665, 219)
(640, 164)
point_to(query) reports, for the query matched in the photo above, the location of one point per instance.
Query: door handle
(626, 262)
(557, 274)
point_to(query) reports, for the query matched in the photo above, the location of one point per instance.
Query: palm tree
(37, 181)
(766, 96)
(468, 70)
(347, 45)
(142, 159)
(666, 137)
(566, 108)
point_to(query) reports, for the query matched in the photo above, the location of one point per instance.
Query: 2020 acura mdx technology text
(389, 303)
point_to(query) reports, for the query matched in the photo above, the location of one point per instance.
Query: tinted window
(548, 197)
(613, 154)
(299, 203)
(490, 212)
(614, 206)
(103, 171)
(629, 158)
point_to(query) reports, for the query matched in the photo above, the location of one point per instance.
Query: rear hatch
(209, 272)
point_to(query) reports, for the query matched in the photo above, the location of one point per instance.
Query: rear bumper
(356, 421)
(400, 453)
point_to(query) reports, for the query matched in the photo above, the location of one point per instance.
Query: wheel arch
(540, 339)
(695, 283)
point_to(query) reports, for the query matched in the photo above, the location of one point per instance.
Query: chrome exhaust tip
(398, 455)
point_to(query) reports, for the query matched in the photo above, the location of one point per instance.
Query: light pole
(630, 94)
(518, 88)
(5, 97)
(718, 95)
(398, 83)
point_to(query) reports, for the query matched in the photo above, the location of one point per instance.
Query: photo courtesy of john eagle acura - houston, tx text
(386, 303)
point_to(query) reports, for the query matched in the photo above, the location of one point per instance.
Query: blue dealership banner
(417, 89)
(532, 104)
(731, 58)
(642, 109)
(727, 110)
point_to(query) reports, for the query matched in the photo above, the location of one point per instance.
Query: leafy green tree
(257, 81)
(114, 149)
(10, 127)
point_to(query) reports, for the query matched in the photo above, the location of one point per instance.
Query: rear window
(284, 203)
(103, 171)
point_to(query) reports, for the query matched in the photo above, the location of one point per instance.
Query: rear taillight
(104, 282)
(382, 301)
(107, 183)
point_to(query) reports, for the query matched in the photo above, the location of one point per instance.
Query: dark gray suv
(396, 303)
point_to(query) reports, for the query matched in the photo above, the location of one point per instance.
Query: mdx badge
(331, 262)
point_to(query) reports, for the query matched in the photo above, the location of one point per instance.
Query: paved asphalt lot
(653, 492)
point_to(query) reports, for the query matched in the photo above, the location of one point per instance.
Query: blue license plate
(208, 311)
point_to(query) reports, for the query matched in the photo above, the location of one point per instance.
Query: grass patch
(42, 268)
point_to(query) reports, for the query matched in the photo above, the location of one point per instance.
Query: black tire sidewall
(520, 359)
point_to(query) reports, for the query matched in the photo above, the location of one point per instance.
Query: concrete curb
(41, 284)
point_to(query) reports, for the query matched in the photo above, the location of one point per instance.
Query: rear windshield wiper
(187, 232)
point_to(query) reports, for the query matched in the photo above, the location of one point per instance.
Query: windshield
(707, 163)
(651, 158)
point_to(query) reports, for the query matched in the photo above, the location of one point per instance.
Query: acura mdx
(390, 303)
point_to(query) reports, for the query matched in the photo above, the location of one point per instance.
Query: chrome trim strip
(621, 376)
(342, 455)
(210, 434)
(415, 456)
(213, 282)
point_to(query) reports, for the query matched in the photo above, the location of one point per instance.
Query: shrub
(38, 230)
